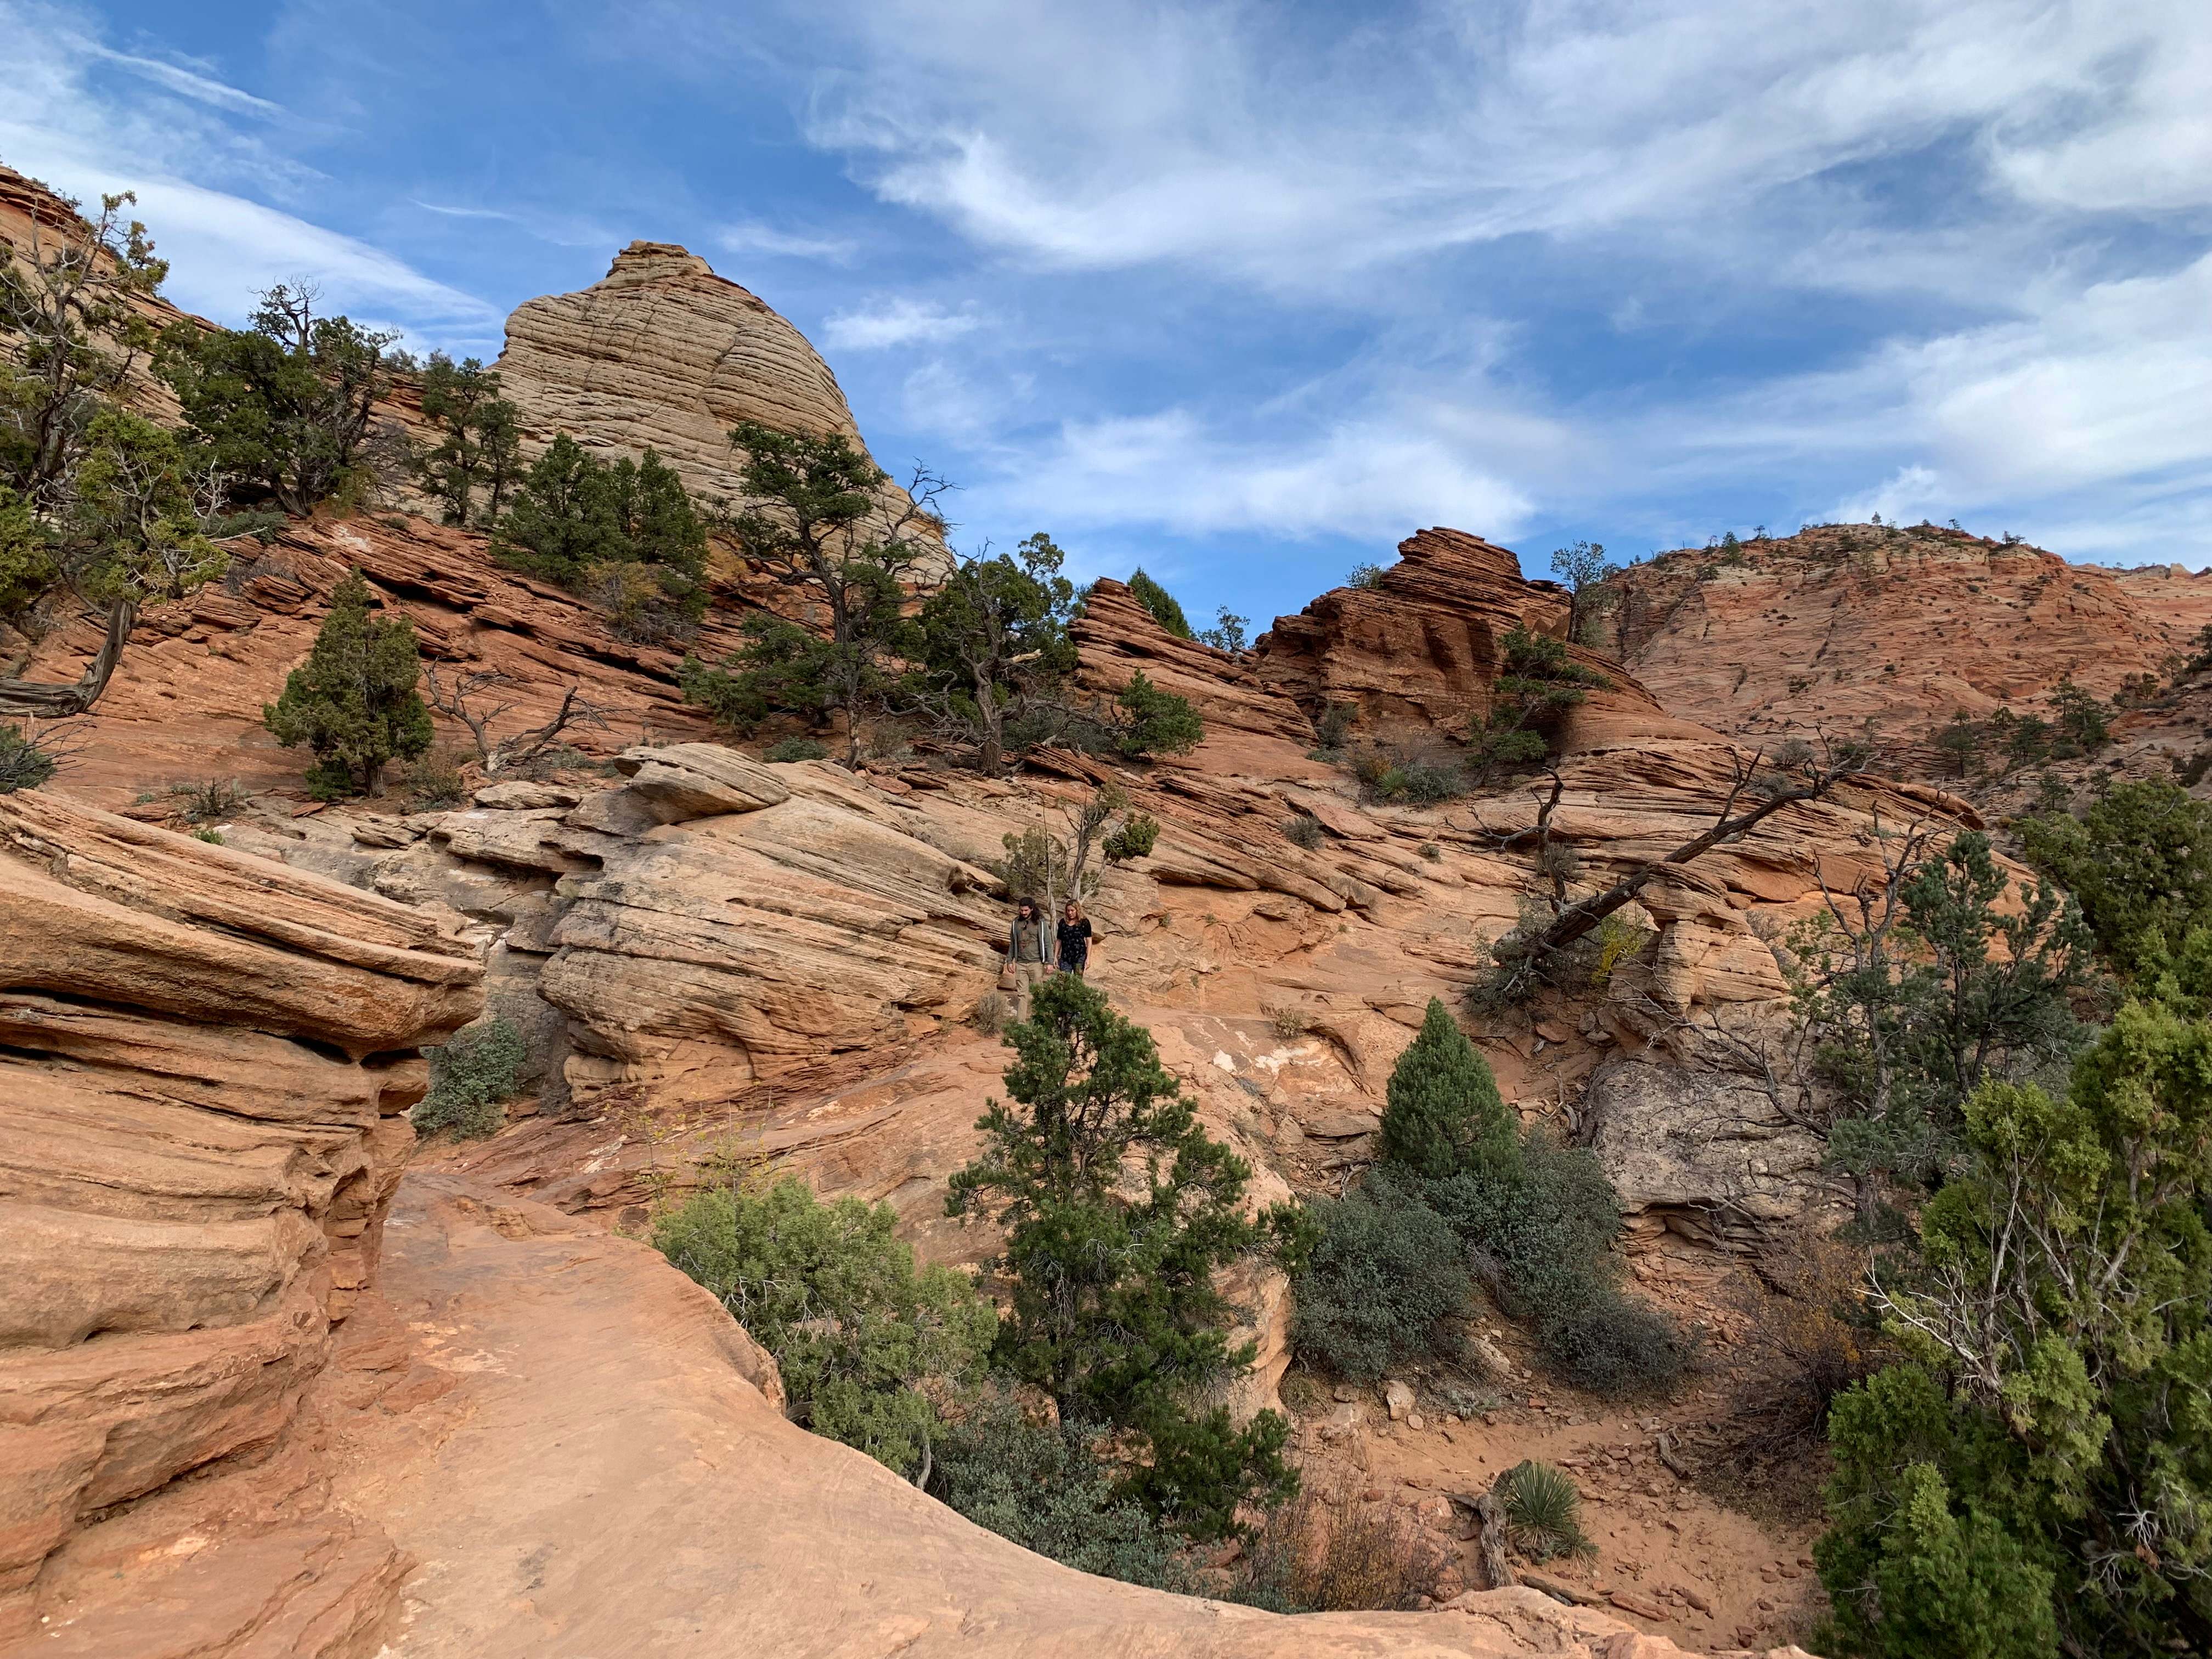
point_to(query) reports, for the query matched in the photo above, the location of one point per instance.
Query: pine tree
(354, 701)
(1445, 1113)
(1119, 1213)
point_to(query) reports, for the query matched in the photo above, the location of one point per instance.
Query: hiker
(1074, 939)
(1027, 957)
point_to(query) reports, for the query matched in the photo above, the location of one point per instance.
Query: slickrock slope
(572, 1441)
(30, 215)
(205, 1062)
(1853, 628)
(185, 703)
(1417, 653)
(663, 354)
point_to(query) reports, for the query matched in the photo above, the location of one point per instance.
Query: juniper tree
(70, 290)
(284, 406)
(993, 654)
(2036, 1477)
(1159, 603)
(817, 526)
(478, 444)
(1444, 1111)
(1119, 1213)
(354, 701)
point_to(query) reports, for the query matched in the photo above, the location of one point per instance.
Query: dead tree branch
(36, 699)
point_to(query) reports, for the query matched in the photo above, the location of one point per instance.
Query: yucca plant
(1543, 1513)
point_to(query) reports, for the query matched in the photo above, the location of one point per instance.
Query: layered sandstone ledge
(1889, 631)
(205, 1062)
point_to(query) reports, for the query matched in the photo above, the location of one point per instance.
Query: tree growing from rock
(133, 529)
(816, 527)
(479, 440)
(2139, 859)
(70, 311)
(992, 656)
(285, 405)
(1159, 603)
(354, 702)
(1584, 571)
(1538, 684)
(1119, 1214)
(623, 534)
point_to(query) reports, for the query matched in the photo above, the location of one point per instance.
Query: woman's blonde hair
(1072, 905)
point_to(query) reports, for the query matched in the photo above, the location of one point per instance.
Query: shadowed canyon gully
(261, 1394)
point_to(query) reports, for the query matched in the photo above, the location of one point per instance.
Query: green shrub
(354, 701)
(829, 1290)
(1160, 603)
(1367, 574)
(1302, 830)
(795, 749)
(1333, 730)
(2138, 860)
(23, 764)
(1541, 1223)
(1046, 1488)
(469, 1078)
(1543, 1512)
(1386, 1278)
(1152, 721)
(213, 837)
(1443, 1110)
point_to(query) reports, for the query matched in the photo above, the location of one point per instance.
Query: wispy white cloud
(751, 236)
(896, 322)
(1372, 479)
(191, 82)
(59, 122)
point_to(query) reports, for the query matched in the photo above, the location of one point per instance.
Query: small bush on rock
(1384, 1282)
(1313, 1555)
(795, 749)
(23, 764)
(469, 1078)
(859, 1334)
(1303, 830)
(1045, 1487)
(1541, 1223)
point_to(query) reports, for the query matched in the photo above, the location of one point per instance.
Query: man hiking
(1029, 953)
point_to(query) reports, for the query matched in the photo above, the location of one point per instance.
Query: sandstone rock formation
(205, 1059)
(1417, 653)
(663, 354)
(1857, 627)
(185, 705)
(31, 216)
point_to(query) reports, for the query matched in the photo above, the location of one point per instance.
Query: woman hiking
(1074, 939)
(1028, 953)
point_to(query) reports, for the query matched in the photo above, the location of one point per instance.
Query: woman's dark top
(1074, 945)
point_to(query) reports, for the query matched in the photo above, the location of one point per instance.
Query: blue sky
(1247, 292)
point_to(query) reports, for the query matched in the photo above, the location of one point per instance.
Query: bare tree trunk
(40, 700)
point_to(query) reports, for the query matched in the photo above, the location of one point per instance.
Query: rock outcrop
(1417, 652)
(205, 1062)
(662, 354)
(185, 704)
(1856, 629)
